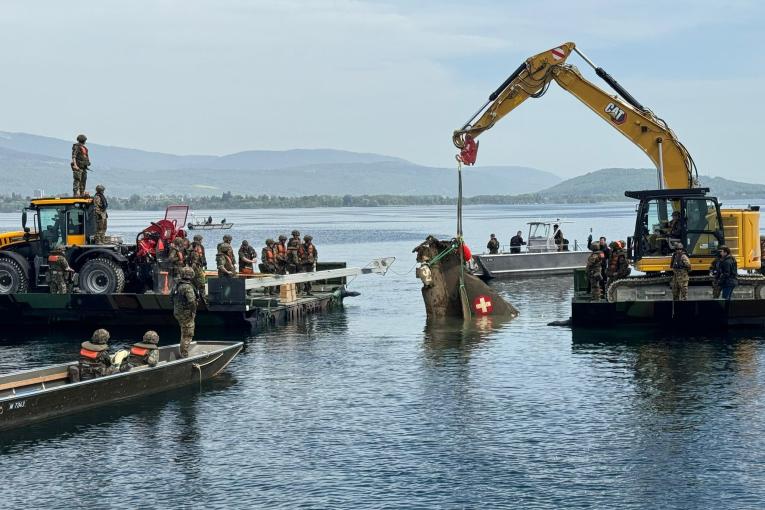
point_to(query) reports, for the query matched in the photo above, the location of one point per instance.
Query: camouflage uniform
(185, 308)
(308, 258)
(680, 267)
(225, 261)
(176, 257)
(294, 247)
(145, 352)
(618, 266)
(94, 356)
(268, 263)
(196, 261)
(226, 240)
(100, 204)
(198, 239)
(493, 245)
(247, 252)
(59, 272)
(280, 253)
(714, 271)
(595, 271)
(80, 164)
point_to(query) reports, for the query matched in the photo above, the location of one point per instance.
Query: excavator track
(757, 281)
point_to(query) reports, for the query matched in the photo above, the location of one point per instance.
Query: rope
(199, 366)
(432, 262)
(466, 312)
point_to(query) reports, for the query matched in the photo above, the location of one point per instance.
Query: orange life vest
(269, 255)
(52, 259)
(138, 351)
(281, 248)
(88, 353)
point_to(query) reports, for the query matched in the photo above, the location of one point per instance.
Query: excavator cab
(670, 216)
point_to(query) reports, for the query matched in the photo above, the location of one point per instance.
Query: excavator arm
(675, 167)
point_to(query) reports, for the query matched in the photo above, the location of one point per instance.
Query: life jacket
(269, 253)
(138, 351)
(103, 200)
(87, 353)
(52, 259)
(281, 249)
(174, 293)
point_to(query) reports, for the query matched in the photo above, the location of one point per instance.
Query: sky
(390, 77)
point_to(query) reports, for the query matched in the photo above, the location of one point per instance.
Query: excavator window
(52, 225)
(655, 238)
(704, 233)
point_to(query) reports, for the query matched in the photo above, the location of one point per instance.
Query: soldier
(80, 164)
(309, 257)
(198, 239)
(225, 262)
(268, 264)
(100, 204)
(94, 356)
(714, 272)
(595, 271)
(294, 247)
(680, 266)
(247, 258)
(493, 245)
(186, 251)
(728, 273)
(185, 308)
(516, 242)
(226, 240)
(176, 257)
(280, 252)
(618, 266)
(59, 272)
(196, 261)
(145, 352)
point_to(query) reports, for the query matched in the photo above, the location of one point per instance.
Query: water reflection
(452, 338)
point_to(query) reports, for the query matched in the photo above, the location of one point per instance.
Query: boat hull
(44, 404)
(509, 265)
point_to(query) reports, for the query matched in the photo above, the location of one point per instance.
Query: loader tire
(13, 278)
(102, 276)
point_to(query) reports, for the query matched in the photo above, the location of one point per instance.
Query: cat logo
(618, 116)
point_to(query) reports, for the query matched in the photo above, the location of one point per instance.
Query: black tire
(102, 276)
(13, 278)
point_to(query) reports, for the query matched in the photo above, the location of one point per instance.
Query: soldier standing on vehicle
(309, 256)
(680, 265)
(185, 308)
(145, 352)
(101, 205)
(493, 245)
(224, 261)
(280, 252)
(196, 258)
(176, 257)
(595, 271)
(94, 356)
(80, 164)
(247, 258)
(59, 272)
(294, 246)
(198, 239)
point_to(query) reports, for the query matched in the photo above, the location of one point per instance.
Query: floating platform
(234, 304)
(694, 314)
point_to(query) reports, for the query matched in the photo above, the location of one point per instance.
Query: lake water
(369, 407)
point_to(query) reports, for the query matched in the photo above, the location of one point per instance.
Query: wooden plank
(34, 380)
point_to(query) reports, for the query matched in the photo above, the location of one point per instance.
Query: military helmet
(151, 337)
(100, 336)
(178, 241)
(198, 238)
(100, 188)
(679, 246)
(595, 246)
(308, 238)
(227, 238)
(296, 233)
(282, 237)
(187, 273)
(269, 241)
(245, 242)
(82, 138)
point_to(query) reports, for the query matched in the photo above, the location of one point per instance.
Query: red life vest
(52, 259)
(88, 353)
(138, 351)
(281, 248)
(269, 255)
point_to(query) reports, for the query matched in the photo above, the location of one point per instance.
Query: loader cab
(666, 217)
(60, 221)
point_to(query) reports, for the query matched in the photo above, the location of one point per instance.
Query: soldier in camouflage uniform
(294, 247)
(100, 204)
(185, 308)
(198, 239)
(80, 164)
(714, 272)
(145, 352)
(268, 263)
(94, 356)
(59, 272)
(595, 271)
(308, 258)
(224, 261)
(176, 257)
(196, 262)
(280, 253)
(680, 264)
(618, 266)
(247, 258)
(226, 240)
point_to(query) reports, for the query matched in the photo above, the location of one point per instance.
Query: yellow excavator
(678, 211)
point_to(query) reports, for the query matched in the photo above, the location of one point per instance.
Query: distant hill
(609, 184)
(29, 162)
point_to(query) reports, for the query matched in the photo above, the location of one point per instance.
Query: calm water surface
(371, 407)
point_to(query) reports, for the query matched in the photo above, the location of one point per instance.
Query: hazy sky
(391, 77)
